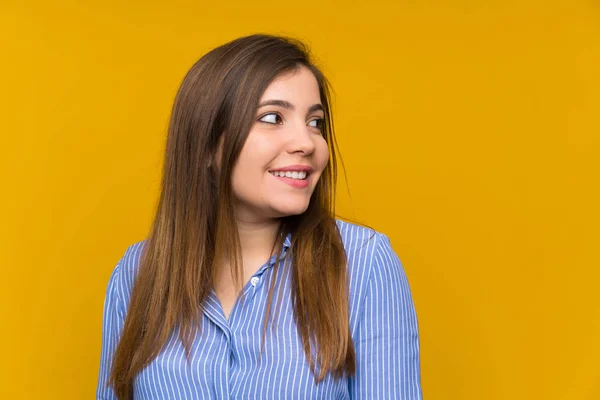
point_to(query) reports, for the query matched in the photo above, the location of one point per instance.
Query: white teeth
(291, 174)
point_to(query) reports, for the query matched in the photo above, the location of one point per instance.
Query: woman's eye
(271, 118)
(316, 123)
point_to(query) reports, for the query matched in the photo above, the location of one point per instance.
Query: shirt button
(254, 281)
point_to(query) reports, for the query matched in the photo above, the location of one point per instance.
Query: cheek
(321, 153)
(256, 152)
(264, 145)
(253, 160)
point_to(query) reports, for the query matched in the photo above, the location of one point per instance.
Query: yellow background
(470, 133)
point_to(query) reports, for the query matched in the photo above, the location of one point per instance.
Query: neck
(257, 238)
(256, 241)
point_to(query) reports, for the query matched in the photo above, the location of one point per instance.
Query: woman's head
(245, 113)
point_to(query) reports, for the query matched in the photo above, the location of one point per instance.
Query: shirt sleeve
(112, 324)
(387, 340)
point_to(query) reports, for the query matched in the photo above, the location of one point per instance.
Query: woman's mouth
(295, 179)
(298, 175)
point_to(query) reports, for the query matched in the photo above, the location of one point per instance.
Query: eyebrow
(290, 106)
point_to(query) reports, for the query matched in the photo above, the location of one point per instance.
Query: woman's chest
(227, 362)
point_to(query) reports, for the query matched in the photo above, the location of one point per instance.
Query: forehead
(298, 86)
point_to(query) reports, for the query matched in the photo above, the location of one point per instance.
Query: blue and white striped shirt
(225, 356)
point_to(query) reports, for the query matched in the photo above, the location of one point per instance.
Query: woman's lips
(296, 183)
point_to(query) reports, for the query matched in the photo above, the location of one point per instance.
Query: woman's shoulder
(124, 273)
(367, 251)
(375, 272)
(356, 237)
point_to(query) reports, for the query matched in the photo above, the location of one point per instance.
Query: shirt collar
(287, 242)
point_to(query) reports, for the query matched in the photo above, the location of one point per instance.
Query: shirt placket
(214, 312)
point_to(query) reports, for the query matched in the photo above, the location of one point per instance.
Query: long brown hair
(195, 225)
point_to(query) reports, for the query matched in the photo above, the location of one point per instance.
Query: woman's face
(285, 139)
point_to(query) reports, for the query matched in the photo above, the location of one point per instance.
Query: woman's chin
(284, 210)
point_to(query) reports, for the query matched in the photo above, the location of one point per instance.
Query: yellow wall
(470, 132)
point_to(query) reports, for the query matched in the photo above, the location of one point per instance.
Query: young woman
(247, 286)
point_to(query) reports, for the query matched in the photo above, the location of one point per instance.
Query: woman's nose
(301, 139)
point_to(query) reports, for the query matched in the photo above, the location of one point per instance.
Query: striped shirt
(225, 363)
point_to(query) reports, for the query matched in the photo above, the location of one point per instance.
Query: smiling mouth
(298, 175)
